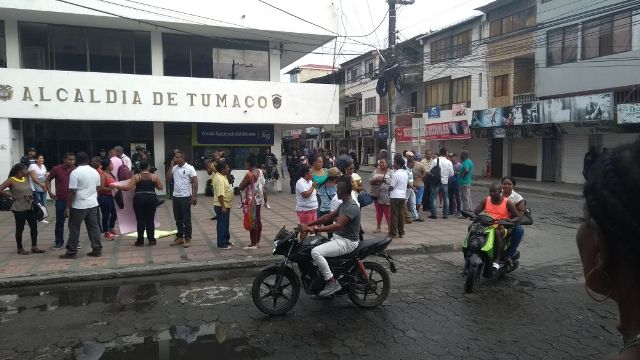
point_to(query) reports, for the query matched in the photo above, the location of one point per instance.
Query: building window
(461, 90)
(606, 36)
(56, 47)
(370, 105)
(562, 45)
(501, 85)
(3, 46)
(452, 47)
(439, 93)
(352, 74)
(518, 21)
(369, 67)
(294, 77)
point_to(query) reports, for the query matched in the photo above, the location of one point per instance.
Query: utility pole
(391, 61)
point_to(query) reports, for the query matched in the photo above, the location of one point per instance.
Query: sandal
(23, 252)
(377, 231)
(35, 250)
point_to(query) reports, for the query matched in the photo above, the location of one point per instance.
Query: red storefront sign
(438, 131)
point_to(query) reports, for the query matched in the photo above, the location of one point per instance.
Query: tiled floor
(121, 253)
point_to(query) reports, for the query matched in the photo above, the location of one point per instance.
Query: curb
(165, 269)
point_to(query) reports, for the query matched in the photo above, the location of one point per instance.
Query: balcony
(524, 98)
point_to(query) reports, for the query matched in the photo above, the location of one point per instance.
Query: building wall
(308, 74)
(584, 75)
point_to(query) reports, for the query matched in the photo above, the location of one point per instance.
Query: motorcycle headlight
(475, 243)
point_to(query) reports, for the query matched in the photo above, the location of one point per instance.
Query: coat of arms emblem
(6, 92)
(276, 100)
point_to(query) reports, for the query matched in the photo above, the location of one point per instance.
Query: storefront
(58, 111)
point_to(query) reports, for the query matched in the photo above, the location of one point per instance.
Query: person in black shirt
(590, 158)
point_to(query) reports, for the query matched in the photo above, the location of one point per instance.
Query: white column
(157, 59)
(277, 150)
(539, 165)
(12, 43)
(274, 63)
(159, 151)
(274, 76)
(6, 160)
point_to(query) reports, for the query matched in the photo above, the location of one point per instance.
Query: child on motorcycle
(499, 208)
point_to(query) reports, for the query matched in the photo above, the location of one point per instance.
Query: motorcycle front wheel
(473, 272)
(275, 291)
(372, 291)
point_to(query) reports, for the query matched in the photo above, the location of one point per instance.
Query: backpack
(124, 173)
(435, 174)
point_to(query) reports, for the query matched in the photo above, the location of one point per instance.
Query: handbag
(526, 218)
(119, 199)
(5, 202)
(364, 198)
(39, 211)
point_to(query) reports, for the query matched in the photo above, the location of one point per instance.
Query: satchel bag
(526, 218)
(364, 198)
(39, 211)
(5, 202)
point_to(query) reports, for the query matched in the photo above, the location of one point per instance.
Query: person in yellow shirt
(223, 204)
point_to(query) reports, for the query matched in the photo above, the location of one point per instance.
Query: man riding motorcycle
(346, 234)
(499, 208)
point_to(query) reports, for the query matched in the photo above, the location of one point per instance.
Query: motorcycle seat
(364, 244)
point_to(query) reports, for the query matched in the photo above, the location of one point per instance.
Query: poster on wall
(433, 112)
(593, 107)
(526, 114)
(459, 109)
(232, 134)
(447, 130)
(628, 113)
(556, 110)
(492, 117)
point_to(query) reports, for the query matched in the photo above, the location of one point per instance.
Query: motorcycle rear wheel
(374, 290)
(267, 290)
(473, 272)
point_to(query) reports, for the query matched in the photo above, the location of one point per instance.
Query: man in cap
(30, 158)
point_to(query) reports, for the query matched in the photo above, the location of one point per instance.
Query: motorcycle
(478, 249)
(366, 283)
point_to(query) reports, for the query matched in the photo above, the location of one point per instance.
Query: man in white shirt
(440, 185)
(82, 205)
(185, 194)
(397, 194)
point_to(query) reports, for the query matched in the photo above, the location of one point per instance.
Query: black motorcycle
(276, 289)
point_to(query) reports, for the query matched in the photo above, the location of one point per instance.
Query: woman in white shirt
(306, 201)
(37, 179)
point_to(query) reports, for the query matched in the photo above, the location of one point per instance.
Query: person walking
(420, 171)
(185, 195)
(22, 195)
(398, 197)
(61, 174)
(455, 206)
(145, 201)
(224, 195)
(293, 168)
(380, 182)
(82, 206)
(439, 184)
(306, 201)
(252, 200)
(37, 180)
(106, 201)
(465, 178)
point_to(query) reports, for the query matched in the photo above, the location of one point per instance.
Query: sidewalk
(121, 259)
(559, 190)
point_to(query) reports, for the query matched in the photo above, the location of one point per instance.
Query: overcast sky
(360, 17)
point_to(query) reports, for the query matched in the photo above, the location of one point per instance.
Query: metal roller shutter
(612, 140)
(524, 158)
(573, 149)
(478, 155)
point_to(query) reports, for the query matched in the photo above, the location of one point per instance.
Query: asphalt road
(540, 311)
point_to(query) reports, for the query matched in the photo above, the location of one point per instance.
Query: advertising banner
(439, 131)
(525, 114)
(459, 109)
(490, 117)
(628, 113)
(227, 134)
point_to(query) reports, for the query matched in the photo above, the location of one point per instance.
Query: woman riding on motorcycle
(346, 232)
(499, 208)
(517, 233)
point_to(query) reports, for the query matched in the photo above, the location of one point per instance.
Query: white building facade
(83, 78)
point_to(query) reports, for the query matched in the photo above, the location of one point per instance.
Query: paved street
(538, 312)
(551, 215)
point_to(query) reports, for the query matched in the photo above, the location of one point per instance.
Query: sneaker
(187, 243)
(43, 221)
(267, 205)
(95, 253)
(35, 250)
(57, 247)
(177, 242)
(332, 286)
(228, 247)
(68, 256)
(250, 247)
(496, 266)
(79, 247)
(419, 219)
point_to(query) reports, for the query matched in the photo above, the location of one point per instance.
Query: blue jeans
(411, 203)
(419, 196)
(516, 238)
(108, 212)
(435, 190)
(41, 197)
(222, 227)
(59, 232)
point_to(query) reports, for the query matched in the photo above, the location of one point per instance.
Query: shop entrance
(496, 157)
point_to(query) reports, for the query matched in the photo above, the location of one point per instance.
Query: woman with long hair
(380, 181)
(105, 199)
(252, 199)
(37, 179)
(22, 195)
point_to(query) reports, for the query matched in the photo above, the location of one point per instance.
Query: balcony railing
(524, 98)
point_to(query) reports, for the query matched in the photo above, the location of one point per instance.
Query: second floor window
(369, 67)
(352, 74)
(73, 48)
(370, 105)
(461, 90)
(606, 36)
(501, 85)
(439, 93)
(520, 20)
(562, 45)
(451, 47)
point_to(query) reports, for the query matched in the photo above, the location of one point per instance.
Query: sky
(360, 17)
